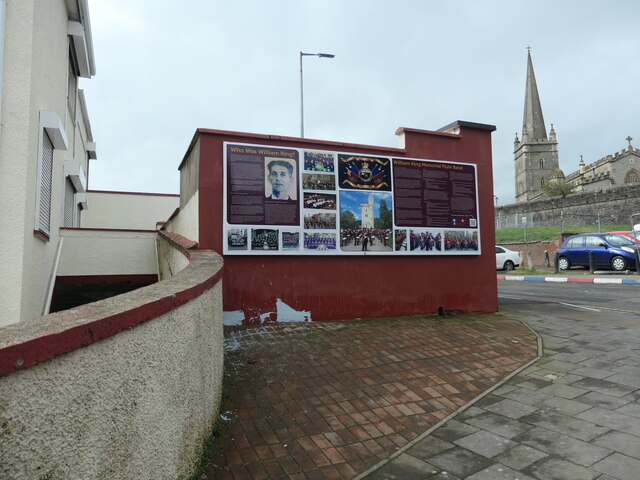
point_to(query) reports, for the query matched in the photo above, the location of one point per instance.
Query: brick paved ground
(329, 400)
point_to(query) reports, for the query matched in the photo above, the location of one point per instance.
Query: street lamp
(302, 54)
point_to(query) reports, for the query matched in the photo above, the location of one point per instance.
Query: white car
(506, 259)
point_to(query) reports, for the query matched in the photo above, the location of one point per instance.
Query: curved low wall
(124, 388)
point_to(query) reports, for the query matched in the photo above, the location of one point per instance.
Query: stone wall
(611, 207)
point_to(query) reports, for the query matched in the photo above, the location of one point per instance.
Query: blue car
(609, 251)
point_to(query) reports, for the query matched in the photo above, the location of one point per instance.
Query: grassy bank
(545, 234)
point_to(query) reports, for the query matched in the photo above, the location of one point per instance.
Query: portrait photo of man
(280, 181)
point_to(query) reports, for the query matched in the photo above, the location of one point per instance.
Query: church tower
(536, 155)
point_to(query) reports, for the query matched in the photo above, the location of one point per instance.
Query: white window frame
(51, 126)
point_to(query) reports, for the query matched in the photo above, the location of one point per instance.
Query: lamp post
(302, 54)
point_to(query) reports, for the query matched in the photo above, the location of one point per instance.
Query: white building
(45, 143)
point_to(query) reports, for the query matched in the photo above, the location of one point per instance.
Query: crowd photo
(264, 239)
(460, 240)
(425, 241)
(318, 181)
(319, 221)
(321, 201)
(400, 240)
(320, 241)
(365, 239)
(290, 240)
(319, 162)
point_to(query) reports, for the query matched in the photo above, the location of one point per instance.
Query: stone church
(606, 191)
(536, 156)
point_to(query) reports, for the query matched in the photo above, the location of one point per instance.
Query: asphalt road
(623, 298)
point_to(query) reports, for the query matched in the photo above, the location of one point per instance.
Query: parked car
(506, 259)
(610, 250)
(632, 235)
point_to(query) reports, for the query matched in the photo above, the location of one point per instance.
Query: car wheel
(618, 263)
(564, 263)
(509, 265)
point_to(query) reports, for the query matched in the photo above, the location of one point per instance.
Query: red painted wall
(342, 287)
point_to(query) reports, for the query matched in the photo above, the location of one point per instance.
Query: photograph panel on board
(424, 240)
(460, 240)
(366, 221)
(264, 239)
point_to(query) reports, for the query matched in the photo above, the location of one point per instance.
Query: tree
(557, 188)
(348, 220)
(385, 216)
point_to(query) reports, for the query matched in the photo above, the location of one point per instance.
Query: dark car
(609, 251)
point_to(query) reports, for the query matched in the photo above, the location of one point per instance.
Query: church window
(632, 176)
(541, 164)
(542, 182)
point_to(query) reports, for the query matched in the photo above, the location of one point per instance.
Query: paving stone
(453, 430)
(499, 424)
(613, 420)
(504, 389)
(460, 462)
(511, 409)
(528, 397)
(405, 467)
(485, 443)
(620, 442)
(565, 406)
(570, 426)
(469, 412)
(559, 366)
(428, 447)
(632, 409)
(601, 400)
(499, 472)
(604, 386)
(531, 383)
(619, 466)
(572, 449)
(593, 372)
(520, 457)
(554, 468)
(562, 390)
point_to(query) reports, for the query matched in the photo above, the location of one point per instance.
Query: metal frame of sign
(290, 201)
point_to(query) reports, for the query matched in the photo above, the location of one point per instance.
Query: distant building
(367, 213)
(536, 156)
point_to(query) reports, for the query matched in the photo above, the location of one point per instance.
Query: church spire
(533, 123)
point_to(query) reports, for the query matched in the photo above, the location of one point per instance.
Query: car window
(592, 241)
(618, 240)
(499, 250)
(574, 242)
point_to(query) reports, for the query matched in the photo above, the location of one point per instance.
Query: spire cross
(628, 139)
(529, 48)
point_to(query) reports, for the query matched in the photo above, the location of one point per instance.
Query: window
(53, 138)
(593, 241)
(43, 221)
(541, 164)
(69, 203)
(575, 242)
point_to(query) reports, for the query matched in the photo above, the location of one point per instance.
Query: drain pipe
(52, 278)
(3, 8)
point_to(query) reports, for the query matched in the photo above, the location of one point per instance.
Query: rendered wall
(94, 252)
(36, 68)
(127, 210)
(125, 388)
(267, 288)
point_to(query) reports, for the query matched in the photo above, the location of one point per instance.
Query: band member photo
(280, 183)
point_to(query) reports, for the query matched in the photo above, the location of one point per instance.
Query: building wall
(127, 210)
(36, 66)
(333, 287)
(92, 252)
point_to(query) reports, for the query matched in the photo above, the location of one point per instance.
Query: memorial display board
(295, 201)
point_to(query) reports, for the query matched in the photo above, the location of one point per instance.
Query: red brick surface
(328, 400)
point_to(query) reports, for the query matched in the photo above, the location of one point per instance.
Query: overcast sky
(165, 68)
